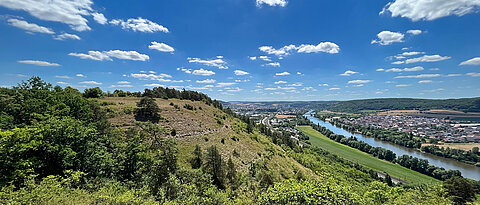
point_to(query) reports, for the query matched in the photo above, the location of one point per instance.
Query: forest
(57, 146)
(355, 106)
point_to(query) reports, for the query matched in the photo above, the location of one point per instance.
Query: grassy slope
(354, 155)
(200, 127)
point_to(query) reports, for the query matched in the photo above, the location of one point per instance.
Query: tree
(231, 171)
(197, 160)
(95, 92)
(214, 166)
(388, 179)
(475, 150)
(459, 189)
(147, 110)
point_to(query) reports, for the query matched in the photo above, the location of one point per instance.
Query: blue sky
(250, 50)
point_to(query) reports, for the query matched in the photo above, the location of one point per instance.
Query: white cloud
(203, 72)
(359, 81)
(63, 83)
(162, 47)
(427, 58)
(121, 86)
(434, 69)
(281, 3)
(123, 82)
(99, 18)
(358, 85)
(282, 73)
(296, 84)
(334, 89)
(206, 81)
(240, 72)
(106, 55)
(253, 58)
(90, 83)
(38, 63)
(31, 27)
(80, 75)
(416, 68)
(309, 89)
(63, 76)
(430, 10)
(70, 12)
(275, 64)
(280, 82)
(380, 69)
(154, 85)
(425, 81)
(397, 62)
(348, 73)
(323, 85)
(218, 62)
(66, 36)
(160, 77)
(473, 61)
(265, 58)
(326, 47)
(415, 32)
(225, 84)
(474, 74)
(412, 53)
(139, 24)
(419, 76)
(402, 85)
(388, 37)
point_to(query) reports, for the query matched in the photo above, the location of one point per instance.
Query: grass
(354, 155)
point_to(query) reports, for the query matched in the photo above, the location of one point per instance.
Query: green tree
(460, 190)
(147, 110)
(214, 165)
(475, 150)
(95, 92)
(197, 160)
(231, 171)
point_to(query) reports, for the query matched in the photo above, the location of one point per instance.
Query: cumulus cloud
(281, 3)
(280, 82)
(206, 81)
(203, 72)
(63, 76)
(90, 83)
(388, 37)
(38, 63)
(225, 84)
(139, 24)
(70, 12)
(253, 58)
(402, 85)
(162, 47)
(30, 27)
(265, 58)
(427, 58)
(359, 81)
(334, 89)
(474, 74)
(415, 32)
(80, 75)
(154, 85)
(282, 73)
(275, 64)
(99, 18)
(121, 86)
(429, 10)
(217, 62)
(108, 55)
(419, 76)
(66, 36)
(240, 72)
(348, 73)
(473, 61)
(326, 47)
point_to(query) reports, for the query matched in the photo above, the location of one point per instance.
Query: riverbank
(354, 155)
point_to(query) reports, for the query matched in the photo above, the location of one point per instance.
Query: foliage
(215, 166)
(470, 157)
(147, 110)
(197, 160)
(460, 190)
(95, 92)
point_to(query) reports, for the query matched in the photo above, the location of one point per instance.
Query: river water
(468, 171)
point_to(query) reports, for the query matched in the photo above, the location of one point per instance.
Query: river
(468, 171)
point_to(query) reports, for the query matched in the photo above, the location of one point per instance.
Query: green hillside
(463, 104)
(59, 147)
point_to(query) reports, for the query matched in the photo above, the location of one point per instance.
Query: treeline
(355, 106)
(396, 137)
(413, 163)
(156, 92)
(378, 152)
(469, 157)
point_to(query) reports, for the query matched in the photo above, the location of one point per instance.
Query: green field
(354, 155)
